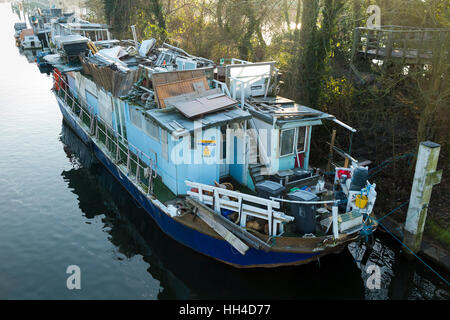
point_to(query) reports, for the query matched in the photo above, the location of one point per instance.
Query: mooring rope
(435, 272)
(381, 166)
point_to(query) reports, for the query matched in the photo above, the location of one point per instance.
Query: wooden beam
(330, 154)
(243, 234)
(223, 232)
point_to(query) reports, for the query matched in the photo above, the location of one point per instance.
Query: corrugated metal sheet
(204, 105)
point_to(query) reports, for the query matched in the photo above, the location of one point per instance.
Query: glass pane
(152, 130)
(301, 139)
(287, 142)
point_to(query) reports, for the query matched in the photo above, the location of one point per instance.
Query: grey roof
(171, 120)
(288, 112)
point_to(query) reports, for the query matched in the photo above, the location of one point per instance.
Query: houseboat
(210, 152)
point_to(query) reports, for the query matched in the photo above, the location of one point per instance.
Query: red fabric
(301, 159)
(340, 173)
(57, 77)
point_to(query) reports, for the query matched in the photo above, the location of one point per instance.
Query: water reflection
(401, 279)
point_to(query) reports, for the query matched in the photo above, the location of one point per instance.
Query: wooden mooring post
(425, 178)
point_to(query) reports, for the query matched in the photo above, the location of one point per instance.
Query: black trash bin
(268, 188)
(304, 214)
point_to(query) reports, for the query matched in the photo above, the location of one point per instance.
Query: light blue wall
(174, 175)
(237, 167)
(286, 162)
(194, 166)
(151, 146)
(72, 85)
(92, 101)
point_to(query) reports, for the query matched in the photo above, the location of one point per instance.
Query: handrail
(113, 134)
(223, 86)
(275, 219)
(103, 122)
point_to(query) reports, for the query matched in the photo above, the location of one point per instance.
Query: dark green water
(59, 207)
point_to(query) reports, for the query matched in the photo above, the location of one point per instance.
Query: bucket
(361, 201)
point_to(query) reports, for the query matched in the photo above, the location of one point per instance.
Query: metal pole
(335, 214)
(133, 30)
(424, 178)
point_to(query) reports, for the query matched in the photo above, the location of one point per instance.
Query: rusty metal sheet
(26, 32)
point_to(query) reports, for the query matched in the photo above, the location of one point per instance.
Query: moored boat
(220, 162)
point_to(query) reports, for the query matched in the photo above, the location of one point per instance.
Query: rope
(445, 281)
(378, 168)
(403, 204)
(387, 230)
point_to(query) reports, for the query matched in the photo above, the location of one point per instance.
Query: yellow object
(361, 202)
(92, 47)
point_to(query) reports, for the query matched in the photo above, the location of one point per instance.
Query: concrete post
(424, 178)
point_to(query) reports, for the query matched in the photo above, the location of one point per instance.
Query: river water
(60, 207)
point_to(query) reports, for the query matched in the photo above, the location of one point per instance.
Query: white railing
(223, 86)
(221, 198)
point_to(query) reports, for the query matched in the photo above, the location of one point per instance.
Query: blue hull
(197, 241)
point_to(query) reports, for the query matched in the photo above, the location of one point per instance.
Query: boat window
(152, 130)
(223, 147)
(287, 142)
(164, 144)
(136, 117)
(301, 141)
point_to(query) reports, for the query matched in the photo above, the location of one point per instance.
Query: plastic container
(268, 188)
(359, 179)
(304, 214)
(361, 201)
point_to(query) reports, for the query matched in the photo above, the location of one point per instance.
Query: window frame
(305, 142)
(147, 122)
(292, 150)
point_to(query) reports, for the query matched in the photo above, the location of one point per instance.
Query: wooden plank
(176, 88)
(223, 232)
(244, 235)
(160, 78)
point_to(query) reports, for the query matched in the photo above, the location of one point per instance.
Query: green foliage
(437, 232)
(312, 42)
